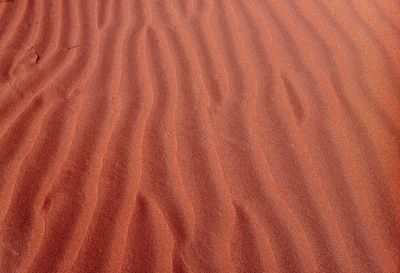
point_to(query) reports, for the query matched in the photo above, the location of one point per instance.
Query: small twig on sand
(72, 47)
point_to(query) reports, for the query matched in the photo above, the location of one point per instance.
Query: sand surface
(199, 136)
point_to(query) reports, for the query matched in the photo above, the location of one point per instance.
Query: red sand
(199, 136)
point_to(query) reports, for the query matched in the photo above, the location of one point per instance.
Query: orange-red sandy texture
(199, 136)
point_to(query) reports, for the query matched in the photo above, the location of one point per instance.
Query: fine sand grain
(199, 136)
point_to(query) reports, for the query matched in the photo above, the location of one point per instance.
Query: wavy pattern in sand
(199, 136)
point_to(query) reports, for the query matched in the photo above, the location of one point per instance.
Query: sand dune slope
(199, 136)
